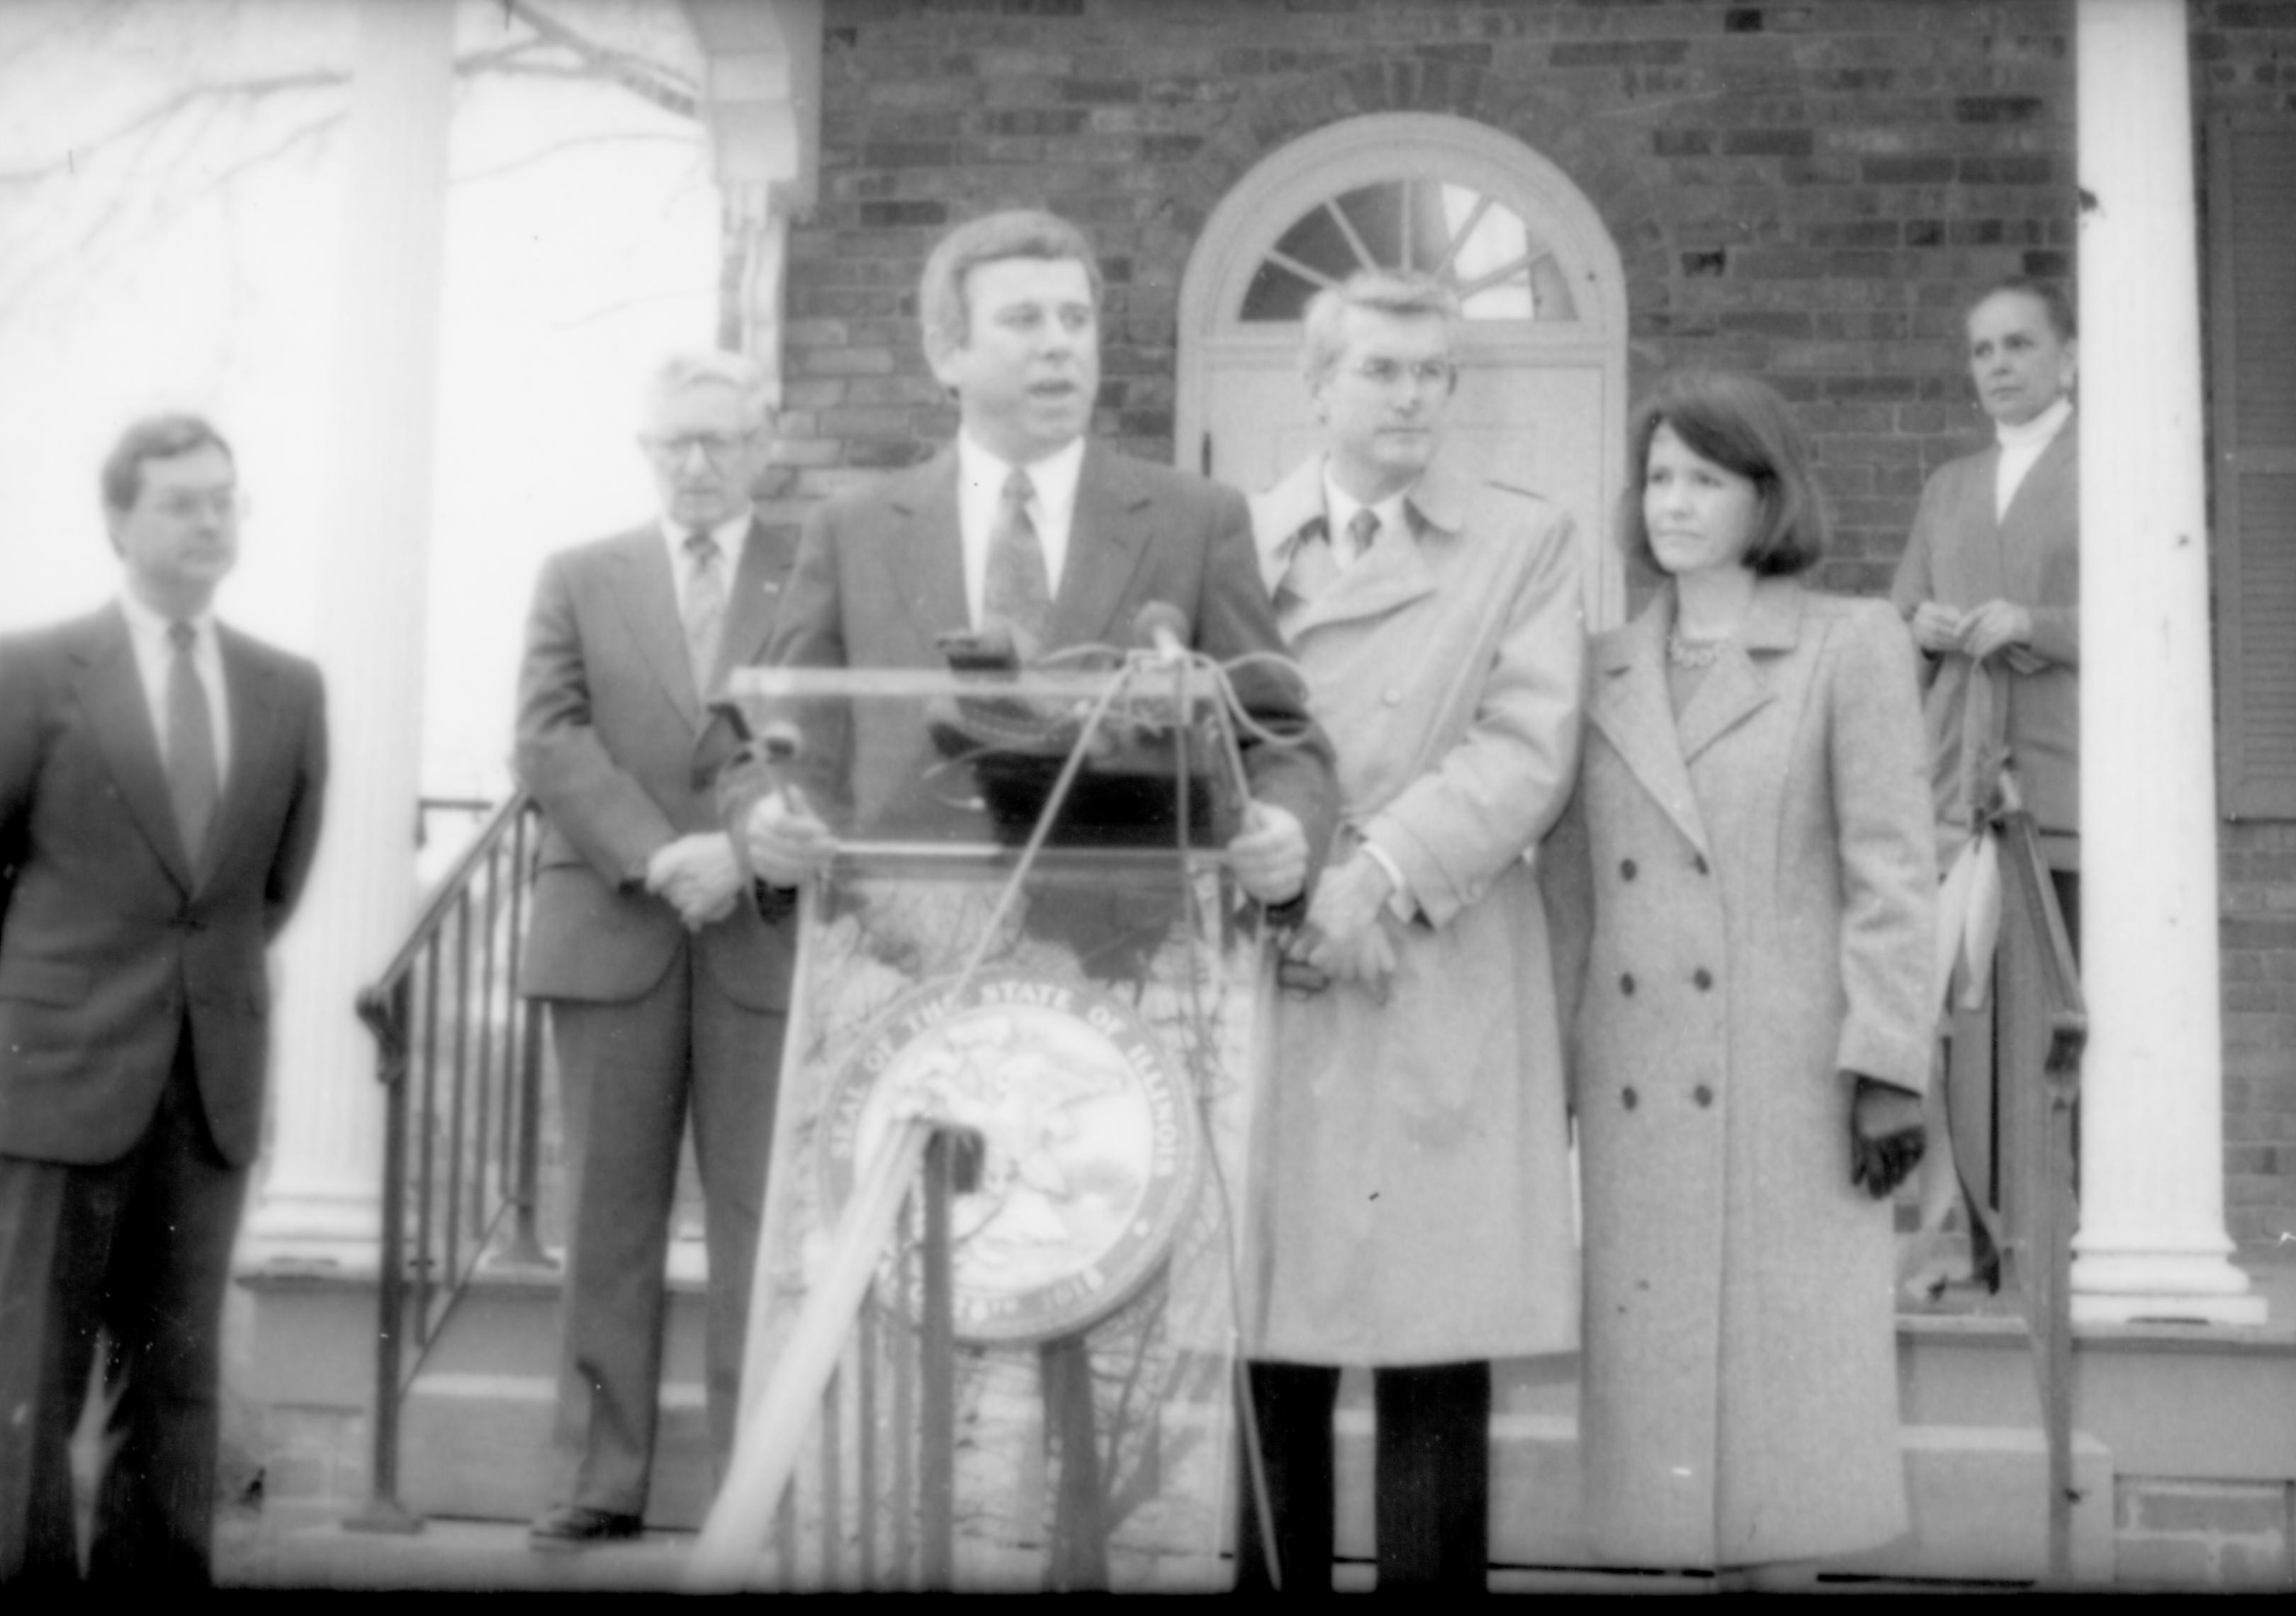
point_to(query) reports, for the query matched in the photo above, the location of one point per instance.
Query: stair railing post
(388, 1015)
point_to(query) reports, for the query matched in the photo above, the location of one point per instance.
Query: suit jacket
(1745, 894)
(617, 746)
(879, 573)
(114, 938)
(1448, 670)
(1962, 555)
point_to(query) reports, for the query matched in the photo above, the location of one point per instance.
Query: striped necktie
(705, 609)
(1018, 592)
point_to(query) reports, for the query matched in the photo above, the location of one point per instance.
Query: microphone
(779, 741)
(1164, 627)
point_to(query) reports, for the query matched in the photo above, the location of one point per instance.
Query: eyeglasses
(715, 449)
(1431, 373)
(181, 504)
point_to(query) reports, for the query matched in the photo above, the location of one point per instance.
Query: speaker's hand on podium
(1269, 855)
(784, 840)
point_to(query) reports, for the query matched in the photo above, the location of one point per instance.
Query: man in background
(666, 995)
(161, 785)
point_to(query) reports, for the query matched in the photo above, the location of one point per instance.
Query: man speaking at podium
(1414, 1212)
(1028, 530)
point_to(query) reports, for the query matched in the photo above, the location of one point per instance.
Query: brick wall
(1810, 191)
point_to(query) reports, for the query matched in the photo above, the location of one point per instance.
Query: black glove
(1886, 1136)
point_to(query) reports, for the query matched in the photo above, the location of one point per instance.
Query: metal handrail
(2042, 1012)
(459, 1056)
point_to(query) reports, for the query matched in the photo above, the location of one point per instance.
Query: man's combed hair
(1025, 233)
(153, 437)
(1401, 293)
(1743, 425)
(715, 367)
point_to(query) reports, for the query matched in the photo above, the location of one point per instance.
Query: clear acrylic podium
(992, 1338)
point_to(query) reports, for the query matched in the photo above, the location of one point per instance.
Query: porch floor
(307, 1547)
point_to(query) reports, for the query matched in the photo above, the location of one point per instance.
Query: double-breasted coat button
(1698, 863)
(1626, 1098)
(1702, 978)
(1627, 868)
(1626, 984)
(1702, 1094)
(1393, 698)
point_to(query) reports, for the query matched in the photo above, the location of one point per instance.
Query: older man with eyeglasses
(666, 993)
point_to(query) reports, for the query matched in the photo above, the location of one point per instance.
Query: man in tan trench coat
(1411, 1206)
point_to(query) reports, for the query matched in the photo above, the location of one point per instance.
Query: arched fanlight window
(1476, 244)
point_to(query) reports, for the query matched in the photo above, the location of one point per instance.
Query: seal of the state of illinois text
(1090, 1146)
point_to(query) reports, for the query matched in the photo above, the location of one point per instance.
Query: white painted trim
(1386, 147)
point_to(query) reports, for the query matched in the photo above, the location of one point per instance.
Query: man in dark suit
(1028, 528)
(664, 991)
(161, 778)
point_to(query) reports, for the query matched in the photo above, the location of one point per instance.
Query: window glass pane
(1276, 293)
(1317, 241)
(1376, 212)
(1508, 299)
(1495, 235)
(1478, 246)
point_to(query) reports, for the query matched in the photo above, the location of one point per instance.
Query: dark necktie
(1363, 527)
(705, 609)
(1018, 595)
(191, 743)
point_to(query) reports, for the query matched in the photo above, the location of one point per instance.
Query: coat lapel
(1630, 707)
(1394, 573)
(647, 595)
(757, 593)
(112, 694)
(1736, 688)
(927, 557)
(1107, 536)
(1282, 515)
(251, 689)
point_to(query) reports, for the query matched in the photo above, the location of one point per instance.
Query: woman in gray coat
(1744, 885)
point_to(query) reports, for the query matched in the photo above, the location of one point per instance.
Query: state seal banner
(1080, 1023)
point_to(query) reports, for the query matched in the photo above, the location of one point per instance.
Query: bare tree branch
(650, 81)
(176, 102)
(544, 153)
(72, 211)
(647, 80)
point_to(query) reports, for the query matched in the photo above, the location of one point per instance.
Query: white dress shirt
(2020, 446)
(155, 656)
(1051, 512)
(731, 534)
(1340, 509)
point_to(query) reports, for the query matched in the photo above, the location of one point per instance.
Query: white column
(321, 1196)
(2152, 1241)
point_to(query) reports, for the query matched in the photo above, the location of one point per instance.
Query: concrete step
(2179, 1425)
(256, 1552)
(478, 1447)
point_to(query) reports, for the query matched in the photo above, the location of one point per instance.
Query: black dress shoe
(577, 1526)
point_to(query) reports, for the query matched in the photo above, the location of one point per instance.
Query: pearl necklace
(1691, 654)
